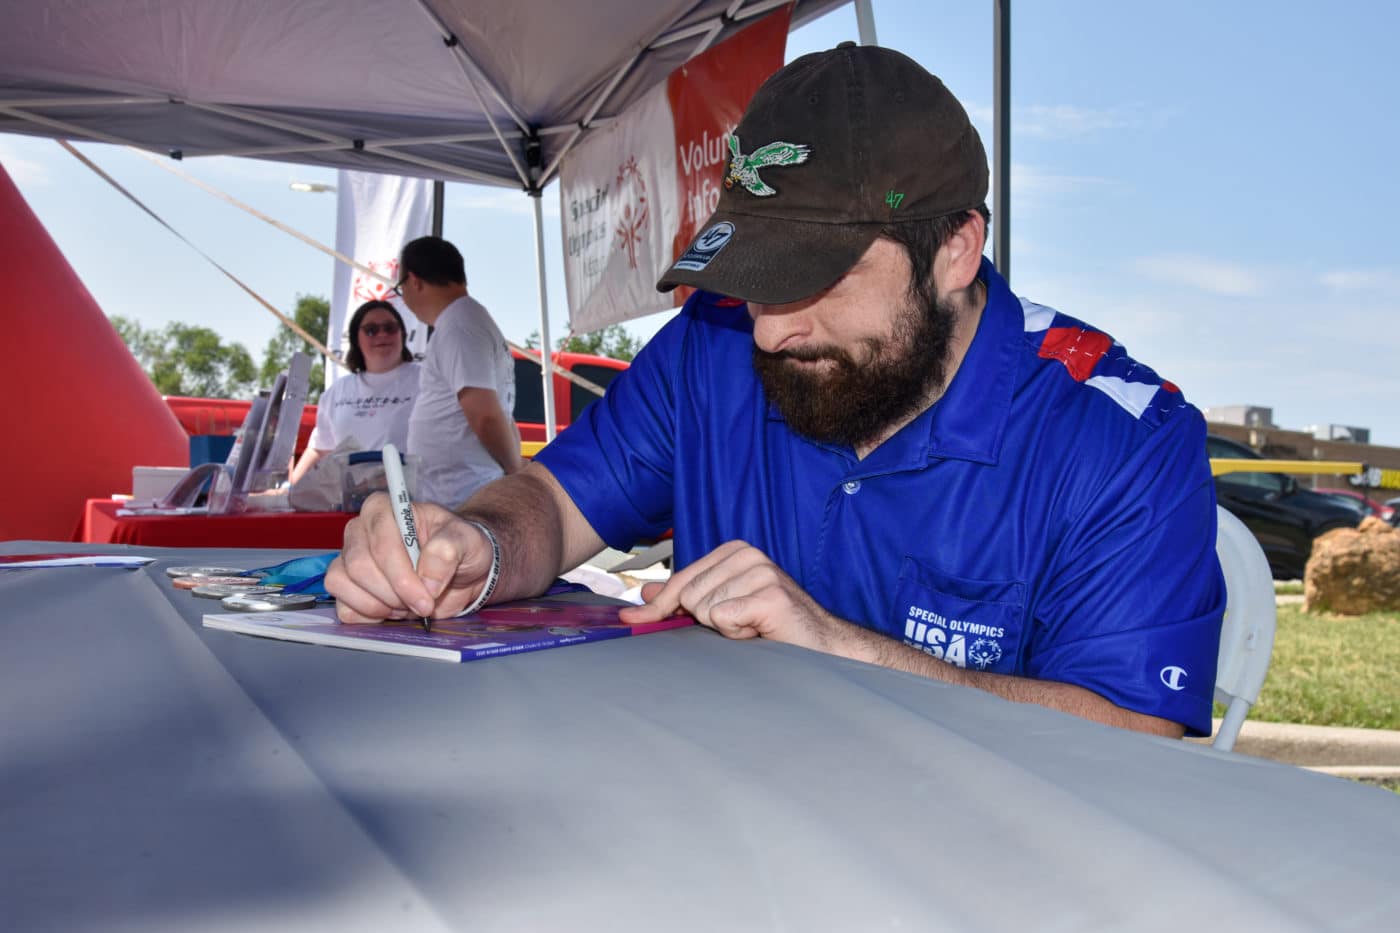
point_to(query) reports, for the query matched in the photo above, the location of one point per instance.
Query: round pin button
(851, 487)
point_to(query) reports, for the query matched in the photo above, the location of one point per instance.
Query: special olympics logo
(368, 288)
(984, 653)
(632, 187)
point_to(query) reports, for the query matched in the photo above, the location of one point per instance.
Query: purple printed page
(510, 628)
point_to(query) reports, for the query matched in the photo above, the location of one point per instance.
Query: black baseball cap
(833, 147)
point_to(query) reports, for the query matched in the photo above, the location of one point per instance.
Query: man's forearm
(497, 434)
(492, 426)
(540, 531)
(864, 645)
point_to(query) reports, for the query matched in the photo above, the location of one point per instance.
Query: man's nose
(779, 327)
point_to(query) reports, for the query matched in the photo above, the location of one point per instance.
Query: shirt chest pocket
(974, 624)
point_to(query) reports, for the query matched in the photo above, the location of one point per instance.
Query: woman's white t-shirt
(373, 408)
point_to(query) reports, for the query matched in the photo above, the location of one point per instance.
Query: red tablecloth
(102, 524)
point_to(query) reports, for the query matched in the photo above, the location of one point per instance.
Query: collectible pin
(206, 572)
(189, 583)
(220, 590)
(271, 602)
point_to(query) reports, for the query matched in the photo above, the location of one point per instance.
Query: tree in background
(313, 315)
(612, 341)
(186, 359)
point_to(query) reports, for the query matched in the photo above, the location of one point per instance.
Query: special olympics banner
(634, 192)
(376, 215)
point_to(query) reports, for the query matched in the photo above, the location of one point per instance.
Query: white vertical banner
(618, 201)
(633, 193)
(375, 216)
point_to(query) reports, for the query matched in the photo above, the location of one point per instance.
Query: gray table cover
(155, 775)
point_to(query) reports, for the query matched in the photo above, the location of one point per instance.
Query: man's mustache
(808, 355)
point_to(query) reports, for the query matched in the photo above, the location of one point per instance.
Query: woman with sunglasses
(372, 404)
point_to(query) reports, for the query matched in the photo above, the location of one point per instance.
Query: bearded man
(865, 443)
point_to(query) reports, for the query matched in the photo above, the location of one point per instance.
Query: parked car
(569, 399)
(1284, 516)
(1367, 505)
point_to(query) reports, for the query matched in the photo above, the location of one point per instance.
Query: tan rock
(1354, 570)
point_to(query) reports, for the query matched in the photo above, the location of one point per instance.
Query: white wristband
(493, 576)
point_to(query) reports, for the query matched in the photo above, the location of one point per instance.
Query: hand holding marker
(403, 509)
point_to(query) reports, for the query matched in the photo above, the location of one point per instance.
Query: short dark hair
(354, 359)
(922, 239)
(434, 260)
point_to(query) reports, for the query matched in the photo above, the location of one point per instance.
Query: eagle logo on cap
(743, 169)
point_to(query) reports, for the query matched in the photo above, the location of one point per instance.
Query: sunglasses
(374, 330)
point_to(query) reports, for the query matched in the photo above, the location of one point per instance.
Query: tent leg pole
(1001, 137)
(865, 22)
(546, 369)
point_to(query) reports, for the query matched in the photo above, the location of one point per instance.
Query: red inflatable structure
(80, 413)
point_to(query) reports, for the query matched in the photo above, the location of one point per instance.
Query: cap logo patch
(743, 169)
(893, 198)
(706, 247)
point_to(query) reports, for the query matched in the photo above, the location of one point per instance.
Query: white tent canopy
(492, 92)
(487, 91)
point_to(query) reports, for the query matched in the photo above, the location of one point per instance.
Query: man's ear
(960, 258)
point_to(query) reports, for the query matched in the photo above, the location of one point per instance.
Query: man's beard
(852, 403)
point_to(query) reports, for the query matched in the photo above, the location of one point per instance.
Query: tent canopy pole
(1001, 136)
(865, 22)
(546, 356)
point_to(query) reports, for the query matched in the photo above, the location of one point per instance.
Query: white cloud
(1027, 181)
(1063, 121)
(507, 200)
(1362, 280)
(1203, 274)
(23, 171)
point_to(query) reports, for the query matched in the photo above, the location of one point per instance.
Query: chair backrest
(1247, 634)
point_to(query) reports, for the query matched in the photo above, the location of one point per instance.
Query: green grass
(1288, 587)
(1331, 670)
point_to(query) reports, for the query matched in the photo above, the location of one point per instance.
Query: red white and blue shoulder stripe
(1095, 359)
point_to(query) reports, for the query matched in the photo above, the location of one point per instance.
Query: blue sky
(1212, 183)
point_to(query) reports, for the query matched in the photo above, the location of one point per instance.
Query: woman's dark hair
(354, 359)
(922, 239)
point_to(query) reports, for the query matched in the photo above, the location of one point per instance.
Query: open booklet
(23, 561)
(509, 628)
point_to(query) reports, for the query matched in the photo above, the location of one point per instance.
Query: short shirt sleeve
(617, 461)
(1135, 596)
(467, 357)
(323, 435)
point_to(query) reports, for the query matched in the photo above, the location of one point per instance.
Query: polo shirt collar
(969, 421)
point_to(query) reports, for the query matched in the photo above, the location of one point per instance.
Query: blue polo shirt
(1051, 516)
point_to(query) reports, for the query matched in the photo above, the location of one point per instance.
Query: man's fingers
(387, 570)
(352, 603)
(698, 586)
(650, 611)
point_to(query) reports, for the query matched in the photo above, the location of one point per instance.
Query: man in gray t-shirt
(461, 428)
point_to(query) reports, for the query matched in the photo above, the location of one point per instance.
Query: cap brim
(767, 259)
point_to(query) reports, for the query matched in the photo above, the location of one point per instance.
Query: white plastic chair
(1247, 634)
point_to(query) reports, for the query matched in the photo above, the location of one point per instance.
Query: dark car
(1283, 515)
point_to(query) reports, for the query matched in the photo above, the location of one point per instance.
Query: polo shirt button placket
(851, 487)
